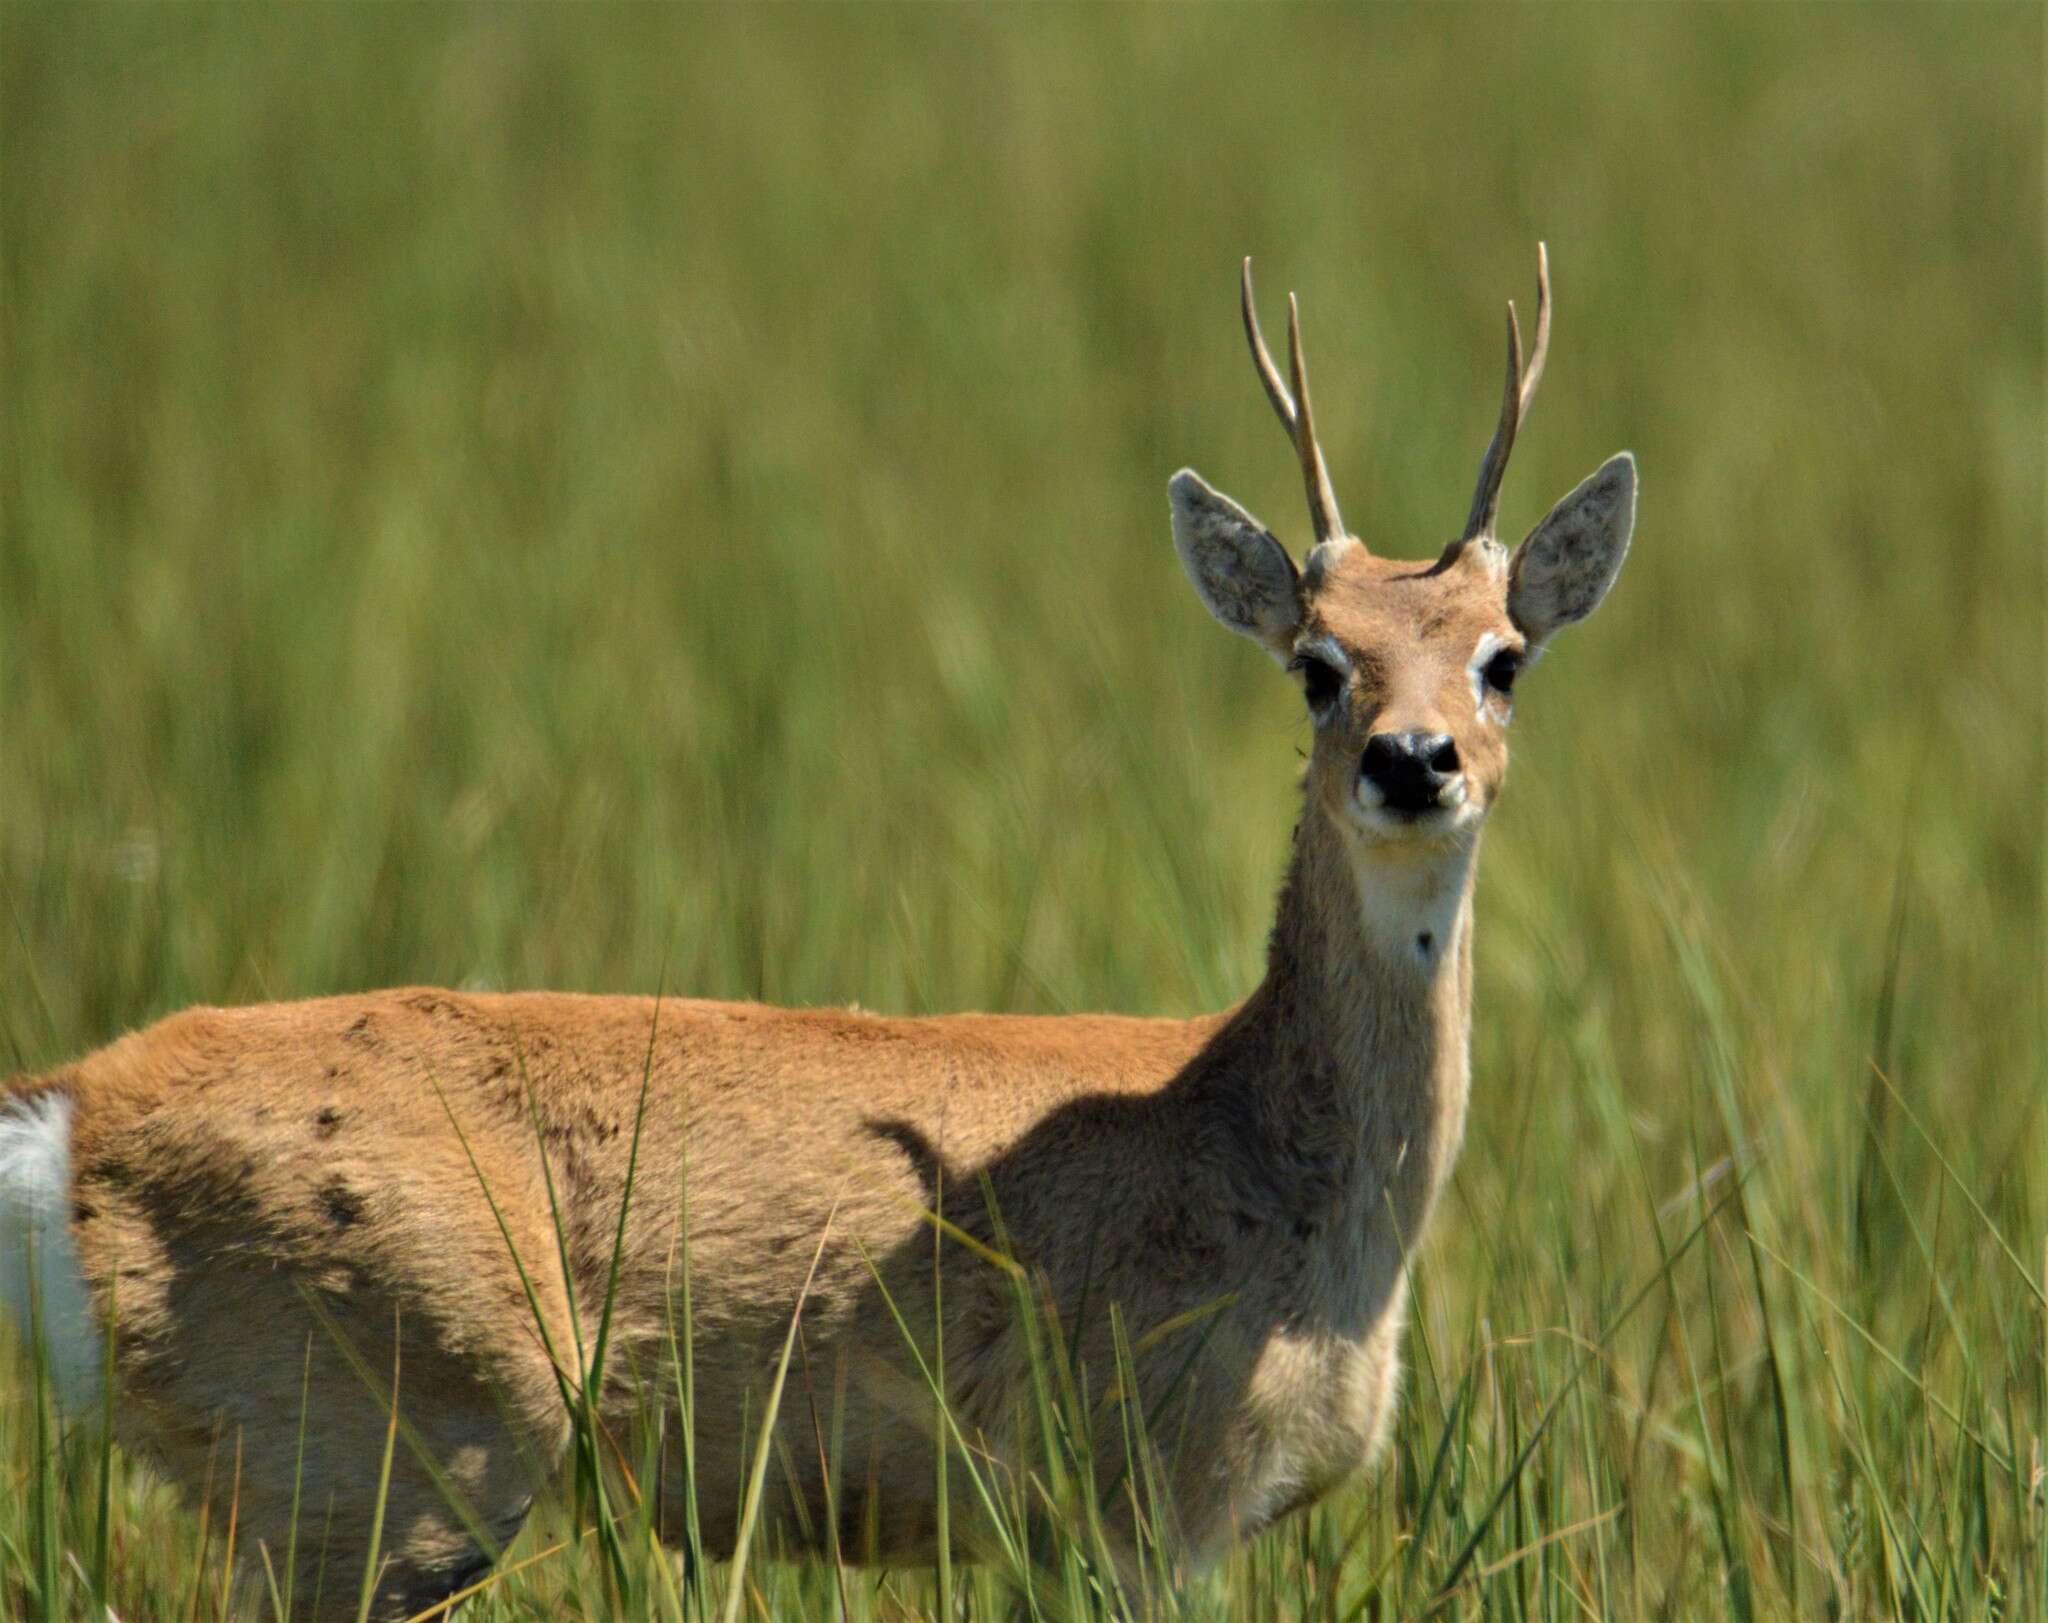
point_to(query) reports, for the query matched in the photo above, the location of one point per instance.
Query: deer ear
(1562, 571)
(1242, 572)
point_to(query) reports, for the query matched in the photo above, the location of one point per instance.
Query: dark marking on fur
(859, 1028)
(434, 1006)
(344, 1207)
(1424, 942)
(327, 1123)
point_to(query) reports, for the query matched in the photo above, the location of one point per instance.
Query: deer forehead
(1383, 611)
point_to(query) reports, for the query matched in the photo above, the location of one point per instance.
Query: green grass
(636, 497)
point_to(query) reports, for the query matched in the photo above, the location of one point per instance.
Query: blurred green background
(636, 497)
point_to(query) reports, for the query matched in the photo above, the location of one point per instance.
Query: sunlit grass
(651, 499)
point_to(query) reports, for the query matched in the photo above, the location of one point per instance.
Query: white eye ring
(1490, 703)
(1324, 669)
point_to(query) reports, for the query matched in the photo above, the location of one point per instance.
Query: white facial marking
(1452, 813)
(1327, 650)
(1488, 705)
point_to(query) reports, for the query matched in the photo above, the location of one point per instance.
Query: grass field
(639, 496)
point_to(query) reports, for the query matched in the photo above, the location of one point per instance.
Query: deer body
(263, 1207)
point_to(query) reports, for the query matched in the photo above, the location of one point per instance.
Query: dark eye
(1502, 669)
(1320, 680)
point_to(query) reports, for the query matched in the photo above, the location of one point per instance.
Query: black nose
(1410, 769)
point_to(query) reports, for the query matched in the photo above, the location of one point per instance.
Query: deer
(256, 1229)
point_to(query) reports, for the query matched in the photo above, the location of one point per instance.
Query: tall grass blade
(1578, 1368)
(372, 1558)
(751, 1506)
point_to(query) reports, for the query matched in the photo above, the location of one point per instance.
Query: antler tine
(1322, 498)
(1520, 389)
(1262, 358)
(1486, 495)
(1293, 409)
(1533, 373)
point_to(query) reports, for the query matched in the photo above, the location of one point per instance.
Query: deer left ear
(1562, 571)
(1242, 572)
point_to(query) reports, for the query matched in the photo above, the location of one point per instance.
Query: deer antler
(1293, 411)
(1521, 389)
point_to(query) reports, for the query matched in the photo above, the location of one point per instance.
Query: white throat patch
(1411, 900)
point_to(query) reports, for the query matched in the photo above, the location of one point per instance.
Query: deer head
(1408, 669)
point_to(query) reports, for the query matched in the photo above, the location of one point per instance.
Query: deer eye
(1320, 680)
(1502, 669)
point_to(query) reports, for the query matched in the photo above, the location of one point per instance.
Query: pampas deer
(250, 1211)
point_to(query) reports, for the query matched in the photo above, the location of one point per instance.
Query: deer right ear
(1241, 570)
(1562, 571)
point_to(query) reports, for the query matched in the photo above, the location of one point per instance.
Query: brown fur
(227, 1160)
(252, 1186)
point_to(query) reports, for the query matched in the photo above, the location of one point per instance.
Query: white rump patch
(40, 1279)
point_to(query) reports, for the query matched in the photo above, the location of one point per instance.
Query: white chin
(1384, 826)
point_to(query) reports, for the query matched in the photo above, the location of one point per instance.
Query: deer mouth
(1382, 819)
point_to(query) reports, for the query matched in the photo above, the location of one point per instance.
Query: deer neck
(1366, 1010)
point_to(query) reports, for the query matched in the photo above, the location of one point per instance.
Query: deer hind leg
(259, 1376)
(290, 1449)
(295, 1458)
